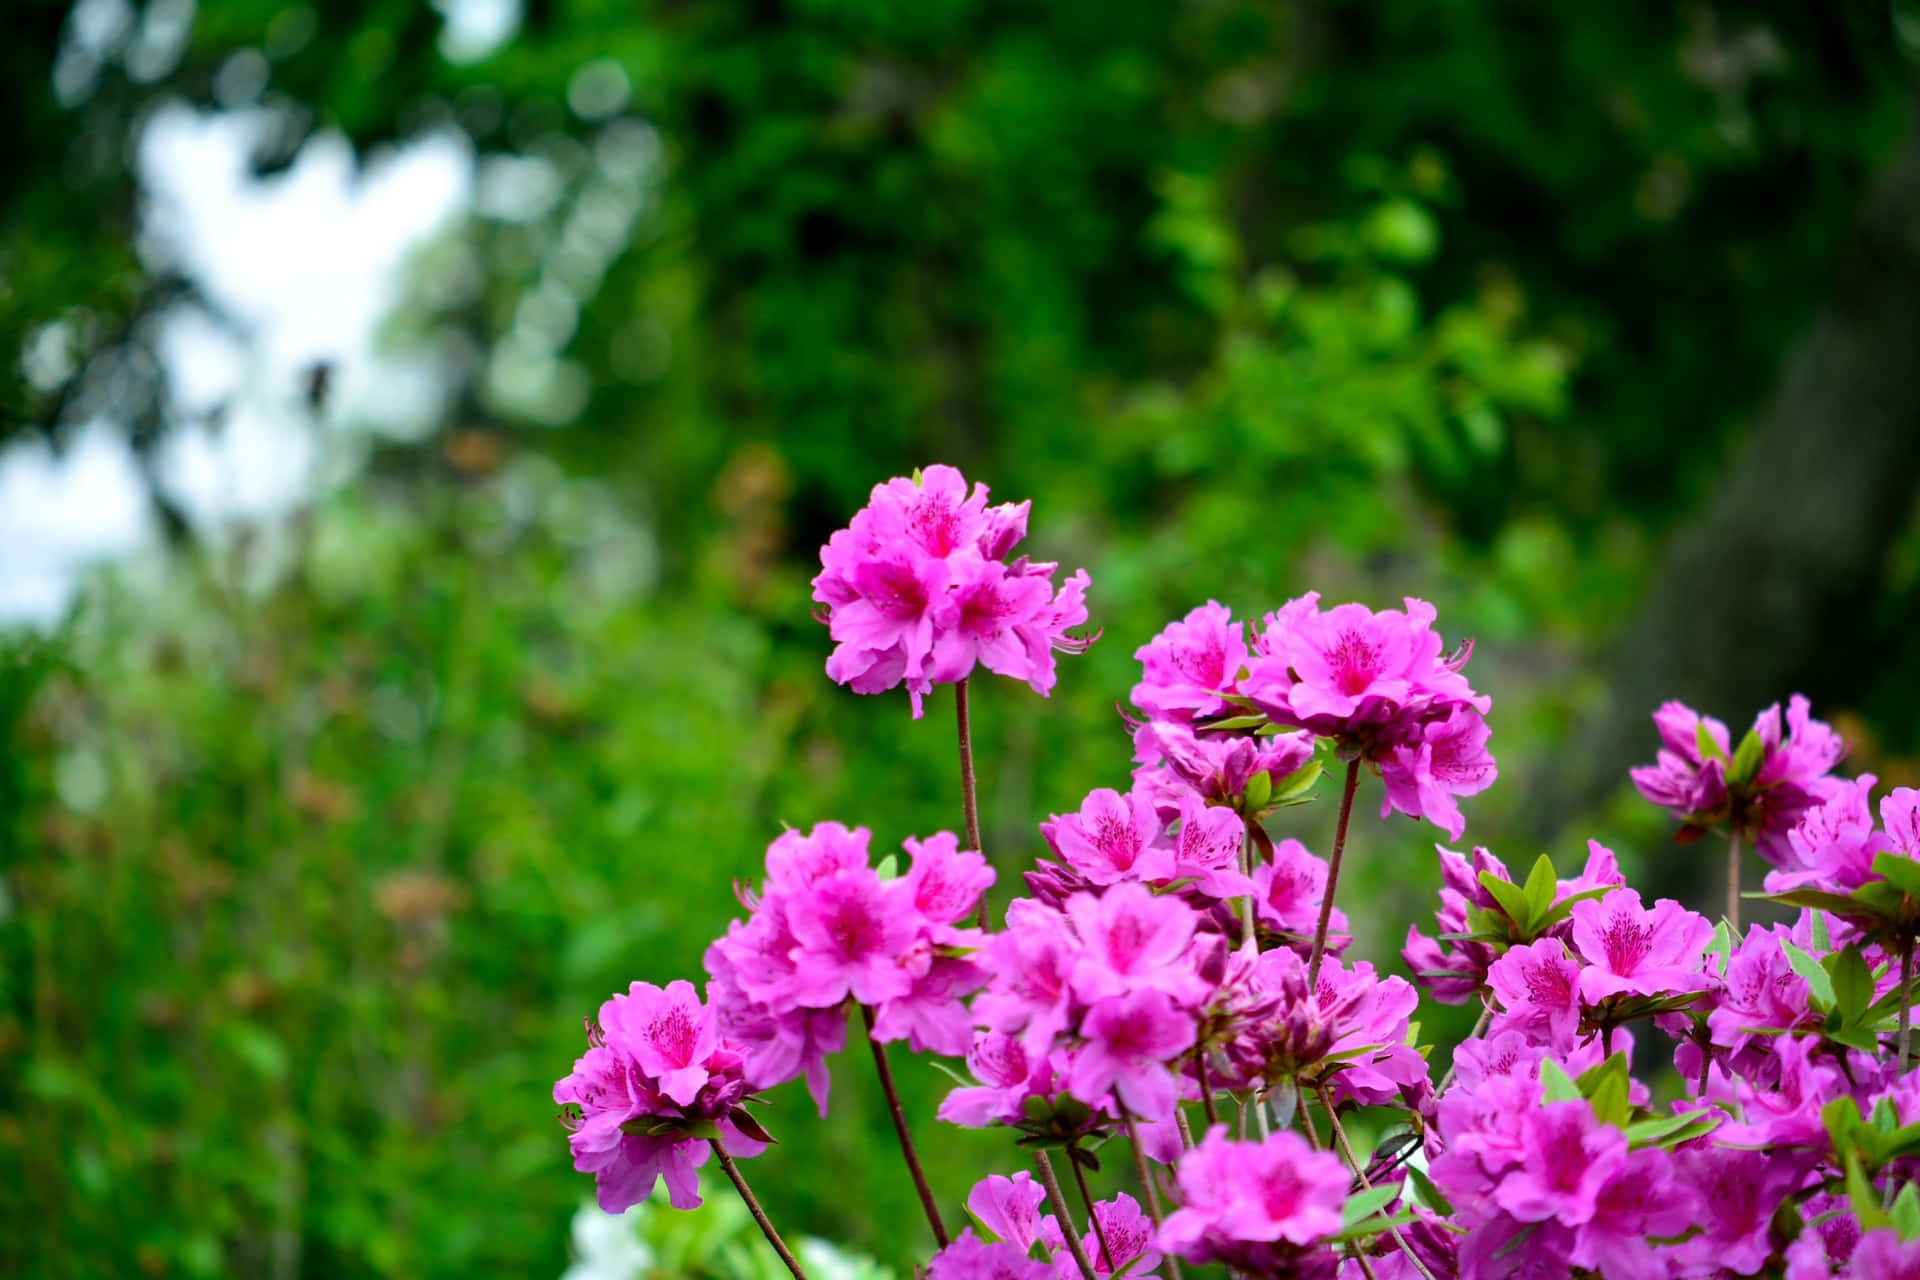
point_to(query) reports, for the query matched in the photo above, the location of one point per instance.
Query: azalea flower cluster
(1376, 684)
(1176, 983)
(918, 589)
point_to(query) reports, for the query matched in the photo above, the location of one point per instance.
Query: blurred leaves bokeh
(319, 844)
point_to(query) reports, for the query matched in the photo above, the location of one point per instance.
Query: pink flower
(671, 1033)
(625, 1126)
(1567, 1157)
(1187, 666)
(943, 883)
(1008, 1076)
(917, 589)
(1790, 776)
(1245, 1203)
(1449, 758)
(1633, 951)
(971, 1258)
(1130, 1039)
(1834, 844)
(1207, 848)
(1126, 1231)
(1287, 891)
(1112, 838)
(1640, 1203)
(851, 931)
(1131, 940)
(1538, 987)
(1009, 1207)
(1032, 964)
(1174, 763)
(1882, 1255)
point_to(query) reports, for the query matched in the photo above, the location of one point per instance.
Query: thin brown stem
(969, 788)
(1206, 1086)
(1906, 1006)
(1353, 1163)
(1086, 1199)
(1148, 1187)
(1333, 873)
(1186, 1130)
(759, 1214)
(1306, 1117)
(1058, 1202)
(1733, 883)
(900, 1128)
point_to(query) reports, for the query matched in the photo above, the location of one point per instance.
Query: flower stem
(1353, 1163)
(1333, 873)
(1099, 1232)
(759, 1214)
(1206, 1086)
(1059, 1205)
(1906, 1006)
(1147, 1185)
(900, 1127)
(1733, 883)
(969, 788)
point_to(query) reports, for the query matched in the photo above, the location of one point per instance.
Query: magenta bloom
(1453, 971)
(1567, 1156)
(1791, 776)
(1132, 939)
(1538, 987)
(1834, 844)
(1112, 838)
(1130, 1040)
(1032, 964)
(851, 930)
(1207, 848)
(1630, 950)
(1174, 763)
(1882, 1255)
(918, 590)
(971, 1258)
(1009, 1207)
(1008, 1076)
(1244, 1203)
(653, 1080)
(1126, 1231)
(1187, 666)
(1287, 894)
(1447, 758)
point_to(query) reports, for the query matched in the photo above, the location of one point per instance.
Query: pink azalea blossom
(624, 1126)
(1186, 668)
(1114, 837)
(1791, 776)
(1130, 1040)
(917, 590)
(1250, 1204)
(1538, 987)
(1009, 1207)
(1287, 892)
(1630, 950)
(1567, 1157)
(1173, 763)
(1131, 940)
(1448, 758)
(1207, 848)
(971, 1258)
(1124, 1230)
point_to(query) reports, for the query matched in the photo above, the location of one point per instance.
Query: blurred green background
(325, 819)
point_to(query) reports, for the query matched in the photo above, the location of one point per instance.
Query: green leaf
(1259, 791)
(1430, 1194)
(1905, 1213)
(1511, 897)
(1722, 945)
(1901, 872)
(1746, 758)
(1298, 783)
(1817, 899)
(1866, 1205)
(1852, 983)
(1559, 1086)
(1364, 1204)
(1671, 1131)
(1817, 980)
(1709, 749)
(1564, 907)
(1822, 939)
(1235, 722)
(1541, 887)
(889, 867)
